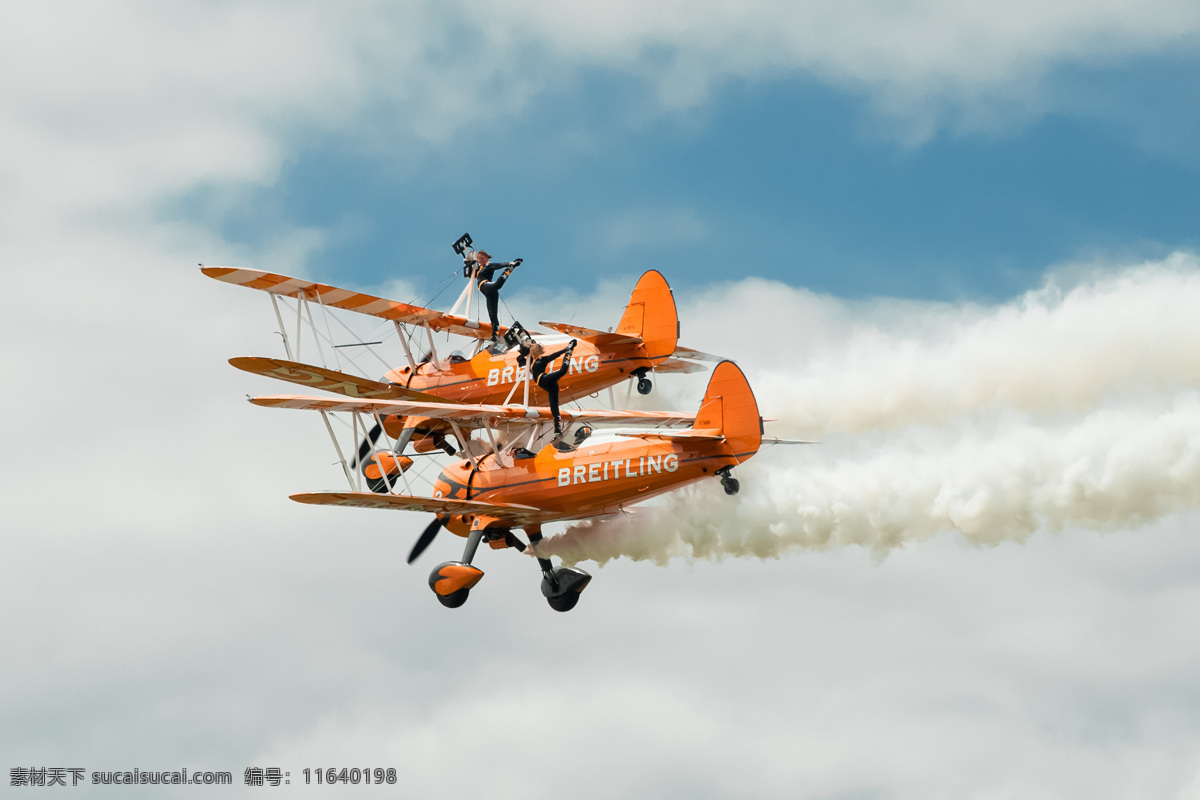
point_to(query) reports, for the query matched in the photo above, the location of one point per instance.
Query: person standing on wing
(490, 287)
(549, 380)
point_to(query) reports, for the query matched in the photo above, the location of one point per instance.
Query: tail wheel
(730, 485)
(561, 587)
(643, 380)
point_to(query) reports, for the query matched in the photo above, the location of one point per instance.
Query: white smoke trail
(1056, 349)
(1116, 468)
(1075, 409)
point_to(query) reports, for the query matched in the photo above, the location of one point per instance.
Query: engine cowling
(384, 468)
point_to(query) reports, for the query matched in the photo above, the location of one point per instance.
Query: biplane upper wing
(349, 300)
(476, 414)
(329, 380)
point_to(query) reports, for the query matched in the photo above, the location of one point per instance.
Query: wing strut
(467, 294)
(316, 334)
(336, 446)
(299, 320)
(404, 342)
(462, 440)
(433, 356)
(522, 379)
(287, 348)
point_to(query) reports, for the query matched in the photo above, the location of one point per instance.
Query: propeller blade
(424, 539)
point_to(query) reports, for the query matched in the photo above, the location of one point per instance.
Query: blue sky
(784, 178)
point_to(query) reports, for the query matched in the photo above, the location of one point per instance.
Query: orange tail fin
(651, 316)
(729, 407)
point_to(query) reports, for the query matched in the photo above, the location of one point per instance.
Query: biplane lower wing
(476, 414)
(349, 300)
(331, 381)
(513, 512)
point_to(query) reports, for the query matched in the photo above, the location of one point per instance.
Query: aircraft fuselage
(591, 480)
(490, 379)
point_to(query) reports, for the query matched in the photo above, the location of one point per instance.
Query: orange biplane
(645, 340)
(521, 481)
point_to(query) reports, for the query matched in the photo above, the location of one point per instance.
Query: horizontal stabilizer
(678, 366)
(705, 435)
(772, 440)
(329, 380)
(590, 334)
(696, 355)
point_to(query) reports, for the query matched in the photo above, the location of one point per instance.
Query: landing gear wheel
(731, 485)
(644, 386)
(562, 586)
(454, 599)
(564, 603)
(452, 581)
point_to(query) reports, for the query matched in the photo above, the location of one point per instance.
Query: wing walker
(519, 460)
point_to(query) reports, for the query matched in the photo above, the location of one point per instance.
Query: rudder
(729, 407)
(651, 316)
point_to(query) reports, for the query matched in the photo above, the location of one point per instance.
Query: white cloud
(112, 104)
(913, 59)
